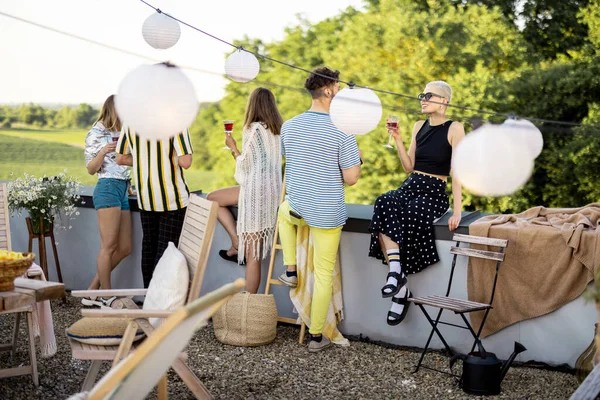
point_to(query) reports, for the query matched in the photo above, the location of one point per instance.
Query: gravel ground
(282, 370)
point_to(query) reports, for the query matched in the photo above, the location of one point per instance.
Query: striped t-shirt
(315, 153)
(158, 177)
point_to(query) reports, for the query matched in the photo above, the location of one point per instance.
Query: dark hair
(316, 83)
(263, 108)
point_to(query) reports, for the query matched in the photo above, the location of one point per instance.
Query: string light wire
(596, 128)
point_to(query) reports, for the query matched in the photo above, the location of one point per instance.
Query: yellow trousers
(326, 243)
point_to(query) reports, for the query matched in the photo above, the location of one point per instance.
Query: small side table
(41, 237)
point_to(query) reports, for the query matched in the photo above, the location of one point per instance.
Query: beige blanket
(552, 255)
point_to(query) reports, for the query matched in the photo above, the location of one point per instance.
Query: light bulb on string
(156, 101)
(161, 31)
(241, 66)
(528, 133)
(490, 161)
(356, 111)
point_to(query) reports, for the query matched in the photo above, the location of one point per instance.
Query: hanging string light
(157, 101)
(161, 31)
(529, 134)
(242, 66)
(491, 161)
(356, 111)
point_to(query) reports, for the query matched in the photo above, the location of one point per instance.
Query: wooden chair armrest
(34, 274)
(109, 293)
(125, 313)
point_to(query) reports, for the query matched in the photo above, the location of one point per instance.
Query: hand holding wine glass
(230, 143)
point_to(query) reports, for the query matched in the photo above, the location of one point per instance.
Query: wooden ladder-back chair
(5, 244)
(4, 219)
(136, 376)
(195, 242)
(461, 306)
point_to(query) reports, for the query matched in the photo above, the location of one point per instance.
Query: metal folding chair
(461, 306)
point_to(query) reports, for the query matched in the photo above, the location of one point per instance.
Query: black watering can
(483, 372)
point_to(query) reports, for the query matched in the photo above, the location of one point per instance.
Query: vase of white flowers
(45, 199)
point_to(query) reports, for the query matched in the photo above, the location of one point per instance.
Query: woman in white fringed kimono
(258, 172)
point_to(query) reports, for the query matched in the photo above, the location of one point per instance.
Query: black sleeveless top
(433, 154)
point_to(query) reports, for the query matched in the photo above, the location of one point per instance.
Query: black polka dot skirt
(406, 215)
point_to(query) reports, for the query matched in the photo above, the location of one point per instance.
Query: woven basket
(247, 320)
(11, 269)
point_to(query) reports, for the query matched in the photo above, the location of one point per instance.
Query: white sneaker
(291, 281)
(90, 302)
(314, 346)
(106, 303)
(98, 301)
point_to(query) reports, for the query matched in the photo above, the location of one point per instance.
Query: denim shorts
(110, 192)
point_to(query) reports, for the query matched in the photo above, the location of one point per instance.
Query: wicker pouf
(247, 320)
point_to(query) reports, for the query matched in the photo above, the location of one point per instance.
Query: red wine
(229, 127)
(391, 125)
(115, 139)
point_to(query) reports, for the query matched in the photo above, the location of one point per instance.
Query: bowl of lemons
(12, 265)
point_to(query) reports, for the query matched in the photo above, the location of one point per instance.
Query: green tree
(85, 115)
(32, 114)
(397, 46)
(476, 46)
(65, 117)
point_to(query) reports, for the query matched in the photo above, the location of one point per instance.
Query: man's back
(316, 152)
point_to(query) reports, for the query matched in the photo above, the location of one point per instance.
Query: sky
(41, 66)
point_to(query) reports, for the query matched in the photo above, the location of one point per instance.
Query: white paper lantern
(242, 66)
(161, 31)
(490, 161)
(529, 133)
(356, 111)
(156, 101)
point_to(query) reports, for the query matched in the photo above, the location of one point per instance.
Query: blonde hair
(445, 89)
(108, 116)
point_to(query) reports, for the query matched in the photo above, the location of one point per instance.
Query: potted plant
(45, 199)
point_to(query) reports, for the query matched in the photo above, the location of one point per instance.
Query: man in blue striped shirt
(320, 159)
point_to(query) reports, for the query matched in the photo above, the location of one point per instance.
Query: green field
(47, 151)
(72, 137)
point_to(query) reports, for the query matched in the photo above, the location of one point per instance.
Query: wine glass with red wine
(228, 125)
(392, 123)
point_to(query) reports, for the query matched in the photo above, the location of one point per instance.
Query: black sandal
(225, 256)
(395, 288)
(395, 318)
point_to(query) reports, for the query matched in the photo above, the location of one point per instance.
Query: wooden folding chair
(5, 244)
(136, 376)
(195, 242)
(461, 306)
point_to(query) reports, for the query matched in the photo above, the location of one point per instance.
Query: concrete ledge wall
(556, 338)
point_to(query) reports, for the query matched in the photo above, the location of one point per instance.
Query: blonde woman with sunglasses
(402, 223)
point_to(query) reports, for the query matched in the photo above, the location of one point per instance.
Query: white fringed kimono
(258, 171)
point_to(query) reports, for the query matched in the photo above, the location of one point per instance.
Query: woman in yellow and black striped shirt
(162, 190)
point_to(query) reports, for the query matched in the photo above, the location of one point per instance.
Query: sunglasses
(427, 96)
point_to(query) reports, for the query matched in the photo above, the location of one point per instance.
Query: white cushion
(168, 287)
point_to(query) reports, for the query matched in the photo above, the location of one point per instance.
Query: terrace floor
(281, 370)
